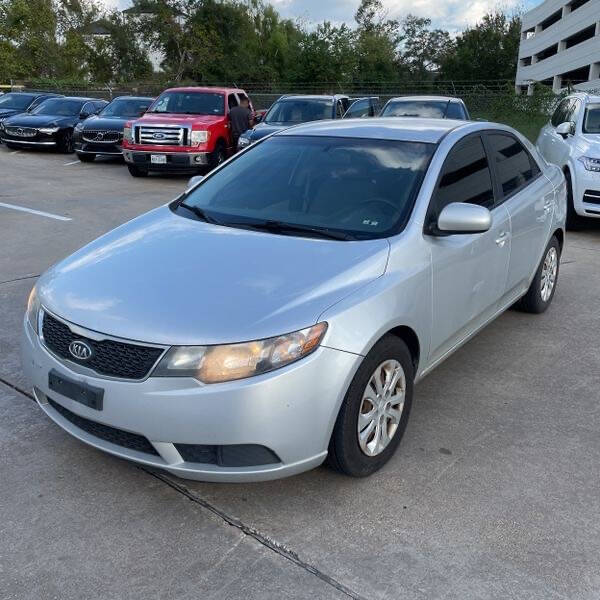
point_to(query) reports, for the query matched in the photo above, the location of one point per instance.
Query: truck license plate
(158, 159)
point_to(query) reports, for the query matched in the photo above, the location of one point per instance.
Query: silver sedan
(280, 311)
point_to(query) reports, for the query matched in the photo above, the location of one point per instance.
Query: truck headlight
(215, 364)
(33, 309)
(128, 134)
(199, 137)
(590, 164)
(48, 130)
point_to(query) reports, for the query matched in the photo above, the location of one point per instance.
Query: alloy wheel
(549, 270)
(381, 407)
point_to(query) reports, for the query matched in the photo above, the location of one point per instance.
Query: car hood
(27, 120)
(105, 123)
(166, 279)
(9, 112)
(588, 144)
(263, 129)
(154, 119)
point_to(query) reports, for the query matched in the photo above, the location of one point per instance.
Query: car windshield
(126, 107)
(591, 119)
(15, 101)
(59, 106)
(294, 110)
(431, 109)
(363, 188)
(190, 103)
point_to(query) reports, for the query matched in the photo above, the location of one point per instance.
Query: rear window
(433, 109)
(293, 110)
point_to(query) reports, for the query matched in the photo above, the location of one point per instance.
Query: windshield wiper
(201, 214)
(282, 227)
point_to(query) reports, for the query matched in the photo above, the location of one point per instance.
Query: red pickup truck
(186, 129)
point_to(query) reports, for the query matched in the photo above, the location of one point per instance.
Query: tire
(137, 172)
(66, 142)
(218, 156)
(574, 221)
(12, 146)
(86, 157)
(535, 301)
(346, 453)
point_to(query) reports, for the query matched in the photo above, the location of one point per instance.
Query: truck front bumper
(170, 161)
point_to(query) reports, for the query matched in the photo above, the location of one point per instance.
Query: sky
(453, 15)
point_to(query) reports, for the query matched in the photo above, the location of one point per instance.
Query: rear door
(468, 270)
(529, 199)
(361, 108)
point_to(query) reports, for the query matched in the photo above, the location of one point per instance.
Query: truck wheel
(218, 156)
(574, 221)
(137, 172)
(86, 157)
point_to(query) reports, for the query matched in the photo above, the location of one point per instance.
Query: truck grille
(101, 137)
(161, 135)
(111, 358)
(591, 196)
(21, 131)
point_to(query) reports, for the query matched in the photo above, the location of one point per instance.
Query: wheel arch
(411, 339)
(560, 236)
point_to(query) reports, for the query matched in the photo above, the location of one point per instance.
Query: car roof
(388, 128)
(586, 97)
(214, 90)
(83, 99)
(133, 98)
(426, 98)
(313, 96)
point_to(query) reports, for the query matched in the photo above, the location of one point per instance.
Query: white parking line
(75, 162)
(41, 213)
(15, 152)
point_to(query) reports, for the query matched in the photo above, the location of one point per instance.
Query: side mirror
(84, 115)
(565, 129)
(461, 217)
(193, 181)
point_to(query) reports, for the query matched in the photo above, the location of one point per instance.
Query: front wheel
(375, 411)
(86, 157)
(66, 142)
(137, 172)
(218, 156)
(541, 291)
(574, 221)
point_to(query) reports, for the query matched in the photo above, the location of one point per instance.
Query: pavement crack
(31, 276)
(16, 388)
(261, 538)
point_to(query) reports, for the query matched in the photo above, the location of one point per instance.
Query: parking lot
(494, 492)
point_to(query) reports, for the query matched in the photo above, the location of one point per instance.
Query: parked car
(280, 311)
(428, 107)
(571, 140)
(294, 109)
(184, 130)
(102, 134)
(51, 123)
(14, 103)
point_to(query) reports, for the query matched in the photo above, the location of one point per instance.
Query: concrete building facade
(560, 46)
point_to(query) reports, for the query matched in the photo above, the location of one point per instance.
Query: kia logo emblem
(80, 350)
(158, 136)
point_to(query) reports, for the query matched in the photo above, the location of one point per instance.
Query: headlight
(591, 164)
(128, 134)
(243, 142)
(33, 309)
(214, 364)
(200, 137)
(48, 130)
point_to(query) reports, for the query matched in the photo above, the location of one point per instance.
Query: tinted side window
(465, 177)
(514, 166)
(455, 111)
(88, 108)
(361, 108)
(232, 101)
(339, 110)
(559, 114)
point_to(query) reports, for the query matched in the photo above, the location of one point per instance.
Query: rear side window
(455, 111)
(514, 166)
(465, 177)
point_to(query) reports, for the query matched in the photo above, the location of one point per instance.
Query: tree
(488, 50)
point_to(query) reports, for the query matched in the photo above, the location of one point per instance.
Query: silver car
(279, 312)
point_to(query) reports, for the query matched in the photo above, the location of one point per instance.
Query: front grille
(21, 131)
(591, 196)
(234, 455)
(101, 137)
(160, 135)
(125, 439)
(115, 359)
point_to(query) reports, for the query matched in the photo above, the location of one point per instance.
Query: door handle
(501, 240)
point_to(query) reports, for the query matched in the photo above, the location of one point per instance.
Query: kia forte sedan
(279, 312)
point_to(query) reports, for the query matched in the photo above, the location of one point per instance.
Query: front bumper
(586, 192)
(175, 161)
(98, 149)
(290, 411)
(18, 141)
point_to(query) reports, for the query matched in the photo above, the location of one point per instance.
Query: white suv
(571, 140)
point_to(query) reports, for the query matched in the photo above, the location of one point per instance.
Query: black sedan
(49, 124)
(102, 134)
(14, 103)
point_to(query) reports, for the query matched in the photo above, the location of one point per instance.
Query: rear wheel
(542, 288)
(137, 172)
(574, 221)
(375, 411)
(86, 157)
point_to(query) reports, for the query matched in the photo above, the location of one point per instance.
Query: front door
(469, 271)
